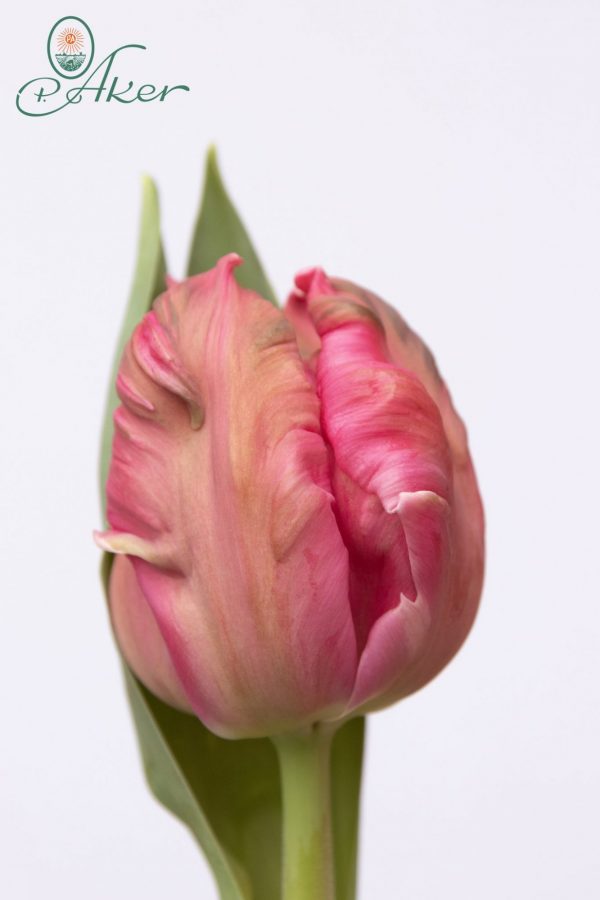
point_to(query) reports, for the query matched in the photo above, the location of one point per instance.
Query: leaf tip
(212, 159)
(212, 173)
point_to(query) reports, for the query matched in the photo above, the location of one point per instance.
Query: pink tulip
(294, 505)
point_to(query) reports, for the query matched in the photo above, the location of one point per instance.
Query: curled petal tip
(101, 540)
(121, 543)
(228, 263)
(223, 272)
(312, 281)
(118, 542)
(304, 278)
(416, 499)
(130, 396)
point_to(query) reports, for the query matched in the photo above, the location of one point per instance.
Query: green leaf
(219, 230)
(227, 792)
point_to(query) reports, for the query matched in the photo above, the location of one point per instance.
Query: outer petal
(139, 638)
(398, 504)
(219, 489)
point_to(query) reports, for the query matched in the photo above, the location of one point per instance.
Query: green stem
(305, 762)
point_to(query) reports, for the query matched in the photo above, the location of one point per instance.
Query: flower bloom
(291, 496)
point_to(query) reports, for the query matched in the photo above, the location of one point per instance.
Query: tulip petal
(392, 481)
(220, 466)
(307, 337)
(456, 614)
(139, 638)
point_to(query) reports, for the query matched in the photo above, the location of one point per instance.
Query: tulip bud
(291, 496)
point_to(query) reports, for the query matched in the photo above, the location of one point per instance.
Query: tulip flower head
(292, 501)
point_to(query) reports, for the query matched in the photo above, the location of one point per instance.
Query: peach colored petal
(139, 637)
(220, 490)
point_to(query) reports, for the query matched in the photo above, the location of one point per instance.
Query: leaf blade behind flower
(219, 230)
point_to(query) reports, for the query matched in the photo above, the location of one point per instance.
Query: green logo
(70, 49)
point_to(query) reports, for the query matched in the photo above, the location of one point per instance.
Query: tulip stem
(305, 762)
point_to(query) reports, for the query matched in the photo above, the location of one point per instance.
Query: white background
(446, 154)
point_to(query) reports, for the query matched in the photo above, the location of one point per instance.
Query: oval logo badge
(70, 47)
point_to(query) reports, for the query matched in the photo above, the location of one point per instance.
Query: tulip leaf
(226, 792)
(219, 231)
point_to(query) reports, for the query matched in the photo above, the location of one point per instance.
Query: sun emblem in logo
(70, 40)
(69, 43)
(70, 46)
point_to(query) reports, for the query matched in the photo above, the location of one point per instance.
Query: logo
(70, 47)
(70, 50)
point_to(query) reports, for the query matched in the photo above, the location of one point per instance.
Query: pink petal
(456, 614)
(394, 483)
(307, 336)
(219, 489)
(139, 638)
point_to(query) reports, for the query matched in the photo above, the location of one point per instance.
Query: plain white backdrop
(444, 153)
